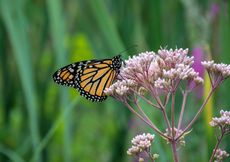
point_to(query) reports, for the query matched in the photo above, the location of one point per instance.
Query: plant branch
(147, 152)
(162, 108)
(173, 115)
(141, 110)
(145, 121)
(185, 94)
(216, 146)
(166, 99)
(146, 100)
(210, 77)
(197, 114)
(166, 119)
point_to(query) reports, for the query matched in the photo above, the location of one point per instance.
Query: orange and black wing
(95, 78)
(89, 77)
(67, 75)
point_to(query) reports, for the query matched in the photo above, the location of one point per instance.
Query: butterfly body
(90, 77)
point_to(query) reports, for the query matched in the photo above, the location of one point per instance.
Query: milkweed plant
(155, 78)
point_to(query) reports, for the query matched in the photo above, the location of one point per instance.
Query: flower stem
(162, 108)
(173, 141)
(174, 151)
(173, 115)
(197, 114)
(166, 99)
(149, 155)
(166, 119)
(182, 109)
(146, 100)
(216, 146)
(145, 121)
(140, 109)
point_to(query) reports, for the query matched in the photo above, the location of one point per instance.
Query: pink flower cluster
(161, 70)
(223, 69)
(217, 72)
(160, 75)
(120, 88)
(141, 143)
(142, 68)
(220, 155)
(223, 120)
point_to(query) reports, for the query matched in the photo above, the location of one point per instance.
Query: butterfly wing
(89, 77)
(67, 75)
(94, 78)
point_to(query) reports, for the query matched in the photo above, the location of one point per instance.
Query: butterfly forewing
(89, 77)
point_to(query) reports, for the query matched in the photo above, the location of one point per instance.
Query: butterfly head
(117, 62)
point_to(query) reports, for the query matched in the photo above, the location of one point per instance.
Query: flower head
(162, 83)
(182, 72)
(141, 143)
(161, 71)
(141, 68)
(217, 72)
(120, 88)
(220, 155)
(223, 69)
(173, 57)
(223, 120)
(177, 65)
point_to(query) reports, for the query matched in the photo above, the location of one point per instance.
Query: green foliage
(41, 121)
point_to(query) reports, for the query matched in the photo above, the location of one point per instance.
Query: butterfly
(90, 77)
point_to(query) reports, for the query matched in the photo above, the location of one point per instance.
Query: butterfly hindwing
(66, 75)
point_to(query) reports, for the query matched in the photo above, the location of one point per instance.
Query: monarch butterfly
(90, 77)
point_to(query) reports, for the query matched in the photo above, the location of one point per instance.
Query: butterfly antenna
(129, 48)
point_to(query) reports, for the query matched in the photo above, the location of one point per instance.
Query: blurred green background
(41, 121)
